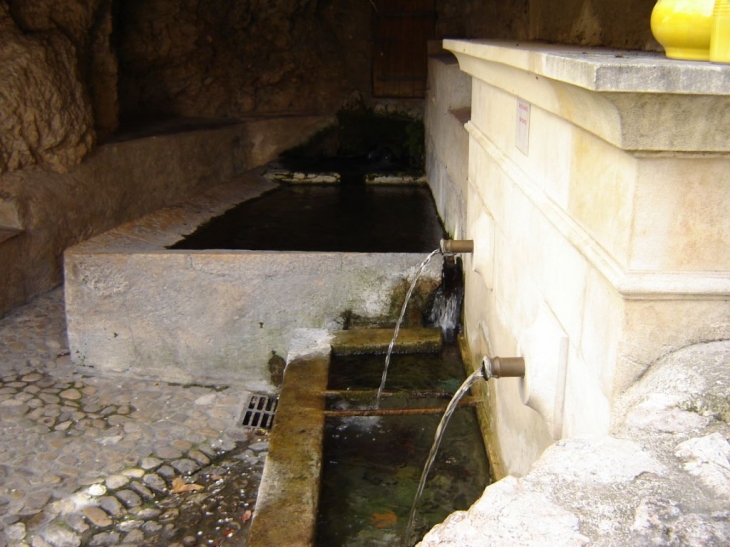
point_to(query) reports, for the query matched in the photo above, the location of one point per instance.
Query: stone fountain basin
(135, 307)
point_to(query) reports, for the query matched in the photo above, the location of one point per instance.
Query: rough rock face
(505, 19)
(663, 478)
(619, 24)
(88, 24)
(45, 114)
(214, 58)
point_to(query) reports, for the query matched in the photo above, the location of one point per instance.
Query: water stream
(434, 448)
(444, 309)
(400, 320)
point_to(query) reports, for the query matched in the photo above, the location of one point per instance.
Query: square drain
(259, 411)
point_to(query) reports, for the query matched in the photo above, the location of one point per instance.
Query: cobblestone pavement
(113, 461)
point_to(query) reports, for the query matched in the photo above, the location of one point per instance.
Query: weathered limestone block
(509, 514)
(45, 113)
(670, 436)
(708, 459)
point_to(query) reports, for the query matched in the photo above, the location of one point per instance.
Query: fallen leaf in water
(179, 486)
(246, 515)
(383, 520)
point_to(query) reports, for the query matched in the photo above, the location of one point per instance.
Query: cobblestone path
(113, 461)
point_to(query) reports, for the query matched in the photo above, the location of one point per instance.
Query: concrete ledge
(286, 507)
(462, 115)
(123, 180)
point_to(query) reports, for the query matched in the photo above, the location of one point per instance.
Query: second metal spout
(453, 246)
(503, 367)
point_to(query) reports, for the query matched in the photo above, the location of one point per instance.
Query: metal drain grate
(259, 411)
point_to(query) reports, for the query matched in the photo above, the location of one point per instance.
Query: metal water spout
(456, 246)
(503, 367)
(542, 367)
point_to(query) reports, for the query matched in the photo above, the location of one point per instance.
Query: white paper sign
(522, 134)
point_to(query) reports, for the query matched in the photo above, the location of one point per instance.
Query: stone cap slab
(640, 102)
(602, 69)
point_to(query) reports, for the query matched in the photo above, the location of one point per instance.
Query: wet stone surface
(112, 461)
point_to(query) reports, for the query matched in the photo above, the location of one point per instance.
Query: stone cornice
(637, 101)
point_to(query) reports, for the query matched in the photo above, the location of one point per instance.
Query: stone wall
(447, 142)
(119, 182)
(86, 29)
(216, 58)
(505, 19)
(45, 111)
(622, 24)
(71, 69)
(619, 24)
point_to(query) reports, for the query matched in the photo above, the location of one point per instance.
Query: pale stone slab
(636, 101)
(603, 460)
(602, 69)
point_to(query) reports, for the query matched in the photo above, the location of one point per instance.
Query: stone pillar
(598, 198)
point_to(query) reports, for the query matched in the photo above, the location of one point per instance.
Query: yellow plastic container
(683, 28)
(720, 35)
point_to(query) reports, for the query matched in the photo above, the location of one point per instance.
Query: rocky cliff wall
(45, 112)
(620, 24)
(217, 58)
(87, 25)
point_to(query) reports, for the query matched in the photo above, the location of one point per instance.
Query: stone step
(358, 341)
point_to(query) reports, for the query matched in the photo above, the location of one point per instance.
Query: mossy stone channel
(337, 479)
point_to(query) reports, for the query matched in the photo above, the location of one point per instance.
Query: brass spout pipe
(503, 367)
(453, 246)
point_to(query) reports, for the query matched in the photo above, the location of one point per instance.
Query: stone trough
(135, 307)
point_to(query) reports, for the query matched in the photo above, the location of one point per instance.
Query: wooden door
(402, 30)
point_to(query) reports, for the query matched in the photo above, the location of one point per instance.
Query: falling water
(400, 320)
(445, 312)
(434, 448)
